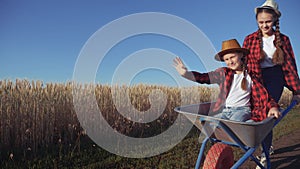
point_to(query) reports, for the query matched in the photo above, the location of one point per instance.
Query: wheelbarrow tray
(249, 134)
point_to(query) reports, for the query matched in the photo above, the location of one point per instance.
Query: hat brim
(268, 7)
(219, 56)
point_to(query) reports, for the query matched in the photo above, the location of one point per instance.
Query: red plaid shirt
(261, 102)
(289, 68)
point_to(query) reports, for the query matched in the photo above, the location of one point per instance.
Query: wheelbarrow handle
(284, 113)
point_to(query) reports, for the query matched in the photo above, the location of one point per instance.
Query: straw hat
(230, 46)
(269, 4)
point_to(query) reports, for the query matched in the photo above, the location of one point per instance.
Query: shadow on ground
(287, 157)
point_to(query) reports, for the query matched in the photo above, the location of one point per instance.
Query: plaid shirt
(289, 68)
(260, 100)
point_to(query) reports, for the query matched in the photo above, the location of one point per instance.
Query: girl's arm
(216, 76)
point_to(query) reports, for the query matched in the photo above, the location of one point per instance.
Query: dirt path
(287, 153)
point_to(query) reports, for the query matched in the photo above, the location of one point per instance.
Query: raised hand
(180, 67)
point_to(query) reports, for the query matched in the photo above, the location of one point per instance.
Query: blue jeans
(235, 113)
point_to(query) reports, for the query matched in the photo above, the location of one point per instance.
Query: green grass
(288, 124)
(183, 155)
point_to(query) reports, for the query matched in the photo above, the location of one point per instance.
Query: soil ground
(287, 153)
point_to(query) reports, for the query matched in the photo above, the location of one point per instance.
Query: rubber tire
(219, 156)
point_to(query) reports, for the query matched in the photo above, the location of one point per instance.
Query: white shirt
(238, 97)
(269, 48)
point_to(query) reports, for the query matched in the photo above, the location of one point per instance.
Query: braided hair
(278, 57)
(244, 83)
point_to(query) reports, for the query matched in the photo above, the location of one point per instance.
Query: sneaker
(271, 150)
(263, 161)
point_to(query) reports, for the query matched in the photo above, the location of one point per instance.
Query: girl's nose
(265, 25)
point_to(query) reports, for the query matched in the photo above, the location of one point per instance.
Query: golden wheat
(35, 115)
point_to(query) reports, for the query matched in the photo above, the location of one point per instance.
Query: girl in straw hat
(271, 56)
(242, 97)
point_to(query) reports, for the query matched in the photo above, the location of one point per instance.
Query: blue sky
(42, 40)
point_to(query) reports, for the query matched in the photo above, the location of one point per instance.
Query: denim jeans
(235, 113)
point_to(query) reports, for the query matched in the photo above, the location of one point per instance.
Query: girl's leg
(235, 113)
(241, 114)
(274, 82)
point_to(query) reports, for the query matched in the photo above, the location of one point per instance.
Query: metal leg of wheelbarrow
(200, 155)
(249, 153)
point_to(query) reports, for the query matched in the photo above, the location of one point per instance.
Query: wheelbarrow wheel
(219, 156)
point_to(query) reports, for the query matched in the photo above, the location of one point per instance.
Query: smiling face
(265, 22)
(234, 61)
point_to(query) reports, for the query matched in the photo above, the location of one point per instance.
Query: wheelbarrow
(226, 133)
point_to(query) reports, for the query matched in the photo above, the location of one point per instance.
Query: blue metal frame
(248, 150)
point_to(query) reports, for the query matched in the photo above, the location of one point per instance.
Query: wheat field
(35, 115)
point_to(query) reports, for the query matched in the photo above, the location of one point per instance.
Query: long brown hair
(278, 57)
